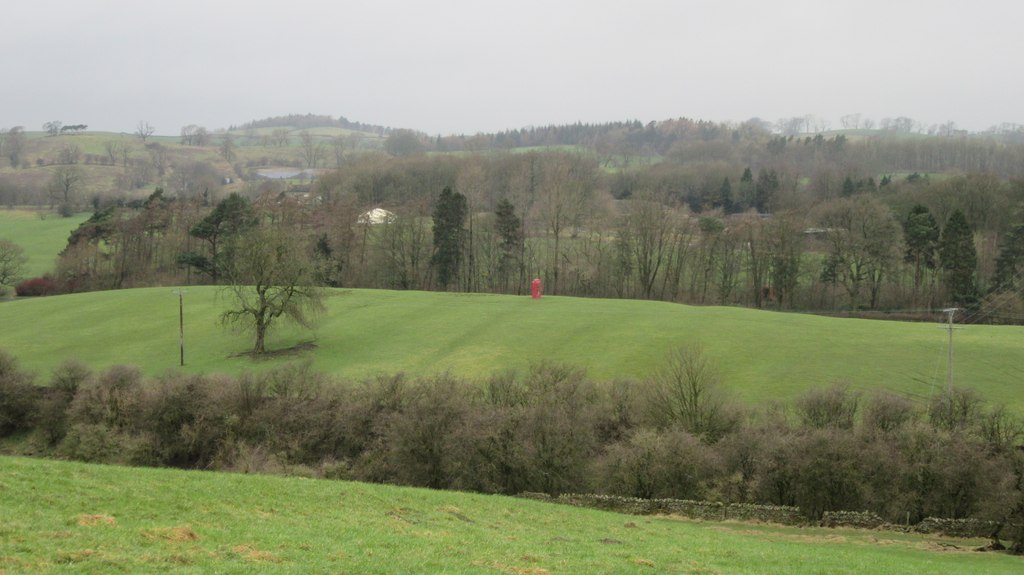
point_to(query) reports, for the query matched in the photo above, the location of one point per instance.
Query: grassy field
(761, 355)
(76, 518)
(41, 234)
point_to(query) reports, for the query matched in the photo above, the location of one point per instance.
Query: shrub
(38, 286)
(830, 408)
(651, 464)
(955, 410)
(18, 397)
(96, 443)
(113, 398)
(887, 412)
(687, 392)
(183, 427)
(417, 439)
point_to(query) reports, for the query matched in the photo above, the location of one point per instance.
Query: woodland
(895, 219)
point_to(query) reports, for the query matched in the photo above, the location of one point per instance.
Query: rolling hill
(89, 519)
(762, 356)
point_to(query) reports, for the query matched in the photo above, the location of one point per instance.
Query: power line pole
(950, 312)
(181, 323)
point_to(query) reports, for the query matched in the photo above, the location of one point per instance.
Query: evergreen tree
(449, 236)
(959, 259)
(921, 237)
(848, 187)
(1009, 274)
(764, 190)
(725, 197)
(746, 195)
(510, 235)
(230, 217)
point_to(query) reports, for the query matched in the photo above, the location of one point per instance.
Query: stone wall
(780, 514)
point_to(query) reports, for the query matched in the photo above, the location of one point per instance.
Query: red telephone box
(535, 288)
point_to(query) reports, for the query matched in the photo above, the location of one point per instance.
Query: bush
(417, 440)
(651, 464)
(830, 408)
(96, 443)
(52, 419)
(38, 286)
(18, 397)
(112, 399)
(183, 427)
(886, 412)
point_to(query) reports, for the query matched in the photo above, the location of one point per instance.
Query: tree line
(760, 237)
(551, 430)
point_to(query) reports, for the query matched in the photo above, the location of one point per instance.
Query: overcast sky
(454, 66)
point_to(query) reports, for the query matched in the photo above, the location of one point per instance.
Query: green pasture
(77, 518)
(762, 355)
(41, 234)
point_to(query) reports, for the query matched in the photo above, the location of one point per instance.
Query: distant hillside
(309, 121)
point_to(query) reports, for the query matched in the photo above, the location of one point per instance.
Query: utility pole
(181, 323)
(950, 312)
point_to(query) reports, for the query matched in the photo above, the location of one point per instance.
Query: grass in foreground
(78, 518)
(762, 355)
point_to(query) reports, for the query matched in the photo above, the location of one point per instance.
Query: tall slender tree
(959, 259)
(921, 236)
(449, 236)
(1009, 273)
(510, 237)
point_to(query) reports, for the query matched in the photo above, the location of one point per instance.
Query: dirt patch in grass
(512, 568)
(89, 520)
(250, 553)
(455, 512)
(172, 534)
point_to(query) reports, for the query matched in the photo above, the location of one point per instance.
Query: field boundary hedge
(778, 514)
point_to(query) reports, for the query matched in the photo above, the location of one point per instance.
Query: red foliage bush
(37, 286)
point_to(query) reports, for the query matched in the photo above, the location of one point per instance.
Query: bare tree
(271, 275)
(863, 239)
(279, 137)
(850, 121)
(687, 393)
(70, 154)
(12, 142)
(66, 180)
(311, 150)
(188, 134)
(52, 128)
(144, 130)
(114, 150)
(12, 262)
(227, 147)
(644, 236)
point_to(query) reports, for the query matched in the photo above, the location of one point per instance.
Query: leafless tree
(270, 277)
(850, 121)
(227, 147)
(12, 142)
(311, 150)
(188, 134)
(12, 262)
(144, 130)
(687, 393)
(114, 150)
(66, 180)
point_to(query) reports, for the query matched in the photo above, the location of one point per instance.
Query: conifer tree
(959, 259)
(449, 236)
